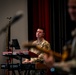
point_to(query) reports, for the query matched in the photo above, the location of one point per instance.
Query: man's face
(39, 33)
(72, 9)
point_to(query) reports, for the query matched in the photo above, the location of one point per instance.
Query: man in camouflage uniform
(42, 43)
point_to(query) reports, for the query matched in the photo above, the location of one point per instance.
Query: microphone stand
(8, 45)
(9, 32)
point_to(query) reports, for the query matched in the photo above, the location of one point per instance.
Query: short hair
(41, 29)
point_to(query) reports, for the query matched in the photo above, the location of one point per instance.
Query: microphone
(17, 16)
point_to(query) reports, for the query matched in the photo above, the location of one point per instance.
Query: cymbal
(30, 45)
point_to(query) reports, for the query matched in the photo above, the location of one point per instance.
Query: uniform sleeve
(47, 47)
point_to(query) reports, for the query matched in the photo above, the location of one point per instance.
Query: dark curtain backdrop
(61, 25)
(39, 16)
(53, 16)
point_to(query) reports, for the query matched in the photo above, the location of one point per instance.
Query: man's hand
(27, 61)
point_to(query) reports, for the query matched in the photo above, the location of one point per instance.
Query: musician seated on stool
(42, 43)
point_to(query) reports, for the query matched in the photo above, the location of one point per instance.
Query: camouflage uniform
(43, 44)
